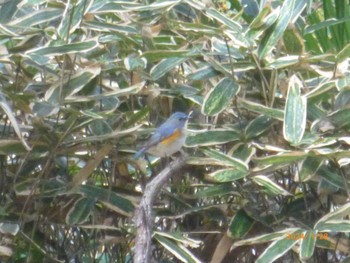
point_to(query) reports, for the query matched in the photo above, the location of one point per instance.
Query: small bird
(168, 137)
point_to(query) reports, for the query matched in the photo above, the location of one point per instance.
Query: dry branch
(143, 215)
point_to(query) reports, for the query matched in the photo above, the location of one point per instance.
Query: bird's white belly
(164, 150)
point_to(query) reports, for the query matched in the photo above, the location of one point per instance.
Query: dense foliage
(84, 82)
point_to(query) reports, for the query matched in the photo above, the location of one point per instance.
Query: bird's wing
(164, 131)
(160, 135)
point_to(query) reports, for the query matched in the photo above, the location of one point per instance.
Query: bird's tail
(140, 153)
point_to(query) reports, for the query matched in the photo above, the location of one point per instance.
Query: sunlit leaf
(226, 160)
(220, 96)
(279, 235)
(275, 32)
(261, 109)
(212, 137)
(338, 213)
(212, 13)
(165, 66)
(277, 249)
(295, 112)
(269, 186)
(38, 17)
(334, 226)
(78, 47)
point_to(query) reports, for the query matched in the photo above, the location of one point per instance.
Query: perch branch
(143, 217)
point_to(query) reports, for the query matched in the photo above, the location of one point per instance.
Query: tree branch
(143, 217)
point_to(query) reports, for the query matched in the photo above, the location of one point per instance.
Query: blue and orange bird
(168, 138)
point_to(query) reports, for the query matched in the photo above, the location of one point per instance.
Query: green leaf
(240, 225)
(276, 250)
(279, 235)
(11, 117)
(74, 15)
(332, 177)
(214, 190)
(45, 109)
(281, 159)
(261, 109)
(108, 27)
(7, 10)
(220, 97)
(283, 62)
(258, 126)
(227, 175)
(165, 66)
(165, 4)
(178, 250)
(324, 24)
(100, 127)
(110, 199)
(226, 160)
(309, 168)
(307, 245)
(269, 186)
(335, 215)
(115, 93)
(212, 137)
(275, 32)
(203, 73)
(340, 118)
(80, 211)
(38, 17)
(78, 47)
(343, 82)
(75, 84)
(264, 19)
(212, 13)
(295, 112)
(176, 236)
(342, 226)
(343, 54)
(105, 7)
(156, 55)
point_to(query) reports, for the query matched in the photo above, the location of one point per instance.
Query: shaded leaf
(240, 225)
(80, 211)
(110, 199)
